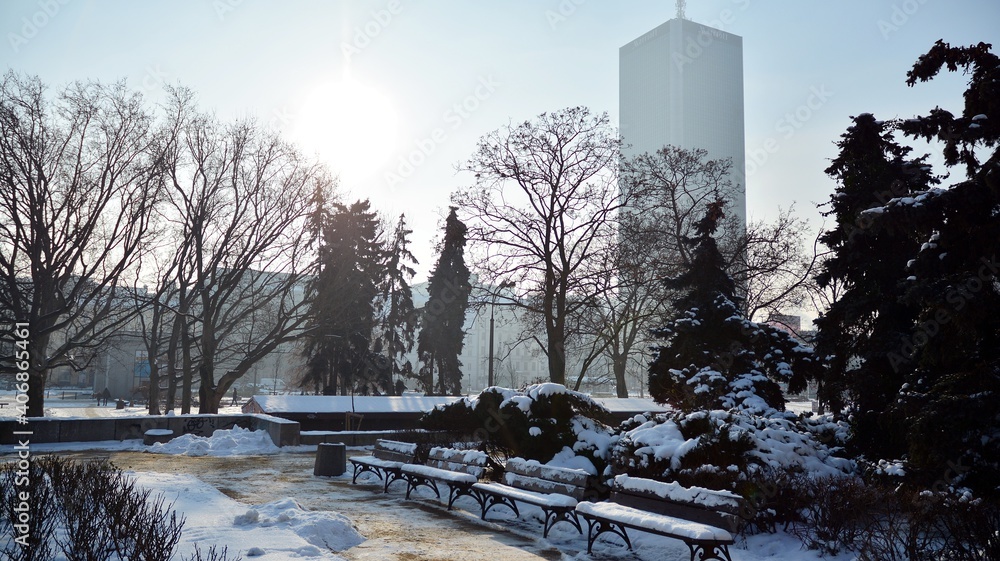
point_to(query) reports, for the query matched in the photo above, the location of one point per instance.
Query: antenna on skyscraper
(680, 9)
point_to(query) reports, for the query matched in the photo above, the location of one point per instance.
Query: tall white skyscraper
(682, 84)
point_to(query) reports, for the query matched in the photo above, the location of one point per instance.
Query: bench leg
(705, 551)
(603, 527)
(362, 468)
(390, 477)
(456, 491)
(553, 515)
(490, 500)
(414, 481)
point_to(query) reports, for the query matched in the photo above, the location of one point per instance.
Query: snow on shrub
(544, 422)
(718, 449)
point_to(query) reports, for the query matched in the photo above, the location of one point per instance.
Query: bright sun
(352, 127)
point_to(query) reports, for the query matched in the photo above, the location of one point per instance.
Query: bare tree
(774, 264)
(240, 198)
(544, 201)
(78, 185)
(670, 189)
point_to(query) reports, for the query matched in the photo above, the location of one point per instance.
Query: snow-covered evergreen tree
(712, 356)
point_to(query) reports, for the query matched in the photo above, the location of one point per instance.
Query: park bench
(387, 460)
(704, 519)
(553, 489)
(458, 469)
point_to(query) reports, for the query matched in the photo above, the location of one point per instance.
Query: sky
(394, 94)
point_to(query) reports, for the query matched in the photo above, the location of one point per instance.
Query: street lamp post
(503, 285)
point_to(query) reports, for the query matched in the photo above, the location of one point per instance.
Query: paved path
(396, 529)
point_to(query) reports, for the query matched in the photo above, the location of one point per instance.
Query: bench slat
(678, 510)
(656, 523)
(543, 485)
(532, 468)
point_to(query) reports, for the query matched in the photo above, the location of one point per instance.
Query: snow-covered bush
(721, 449)
(543, 422)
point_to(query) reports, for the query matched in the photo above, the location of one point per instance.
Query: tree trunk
(620, 363)
(206, 390)
(38, 373)
(187, 374)
(154, 388)
(36, 391)
(557, 357)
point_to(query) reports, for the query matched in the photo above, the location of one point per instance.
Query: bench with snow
(555, 490)
(458, 469)
(702, 518)
(387, 460)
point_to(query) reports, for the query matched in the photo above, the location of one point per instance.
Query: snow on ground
(277, 530)
(235, 497)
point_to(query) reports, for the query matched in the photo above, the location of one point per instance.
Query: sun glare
(351, 126)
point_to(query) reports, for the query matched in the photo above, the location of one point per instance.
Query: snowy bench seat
(458, 469)
(387, 461)
(702, 518)
(555, 490)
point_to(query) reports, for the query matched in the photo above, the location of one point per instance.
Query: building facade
(681, 84)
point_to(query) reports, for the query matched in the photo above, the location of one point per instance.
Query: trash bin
(157, 435)
(331, 459)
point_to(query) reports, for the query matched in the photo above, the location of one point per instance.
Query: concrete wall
(49, 430)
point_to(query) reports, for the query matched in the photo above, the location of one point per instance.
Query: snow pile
(226, 442)
(277, 530)
(324, 530)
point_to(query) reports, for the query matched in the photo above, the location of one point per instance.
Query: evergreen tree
(400, 319)
(712, 356)
(949, 398)
(343, 313)
(861, 330)
(441, 324)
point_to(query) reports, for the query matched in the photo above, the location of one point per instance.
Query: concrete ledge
(283, 432)
(73, 429)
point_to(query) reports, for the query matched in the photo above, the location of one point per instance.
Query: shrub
(90, 511)
(880, 522)
(539, 423)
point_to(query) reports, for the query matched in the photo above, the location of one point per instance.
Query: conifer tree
(344, 292)
(862, 329)
(442, 322)
(712, 356)
(949, 398)
(400, 319)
